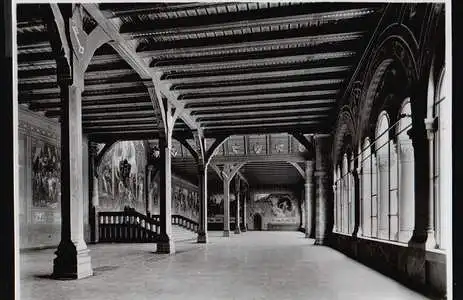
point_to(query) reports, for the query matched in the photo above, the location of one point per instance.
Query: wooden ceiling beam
(255, 75)
(258, 87)
(96, 128)
(262, 62)
(119, 120)
(127, 52)
(258, 97)
(249, 47)
(323, 63)
(260, 124)
(276, 104)
(262, 112)
(263, 119)
(320, 18)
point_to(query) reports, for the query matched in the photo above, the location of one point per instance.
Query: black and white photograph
(232, 150)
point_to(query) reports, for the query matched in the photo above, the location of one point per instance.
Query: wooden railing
(130, 226)
(127, 226)
(182, 221)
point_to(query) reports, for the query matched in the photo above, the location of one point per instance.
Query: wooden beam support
(127, 51)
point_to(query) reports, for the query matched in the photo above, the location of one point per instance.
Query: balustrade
(132, 226)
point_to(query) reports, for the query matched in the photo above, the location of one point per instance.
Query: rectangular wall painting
(45, 175)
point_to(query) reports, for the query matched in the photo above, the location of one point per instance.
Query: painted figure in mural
(46, 176)
(140, 188)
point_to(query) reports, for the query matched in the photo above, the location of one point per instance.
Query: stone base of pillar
(320, 241)
(405, 235)
(237, 230)
(165, 245)
(430, 240)
(307, 234)
(422, 240)
(226, 233)
(202, 238)
(71, 263)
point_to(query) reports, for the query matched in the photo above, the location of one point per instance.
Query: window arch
(382, 151)
(339, 199)
(387, 183)
(406, 184)
(345, 194)
(366, 188)
(351, 192)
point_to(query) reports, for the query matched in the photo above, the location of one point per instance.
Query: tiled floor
(253, 265)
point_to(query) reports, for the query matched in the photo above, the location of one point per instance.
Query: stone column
(324, 183)
(245, 216)
(366, 197)
(149, 179)
(383, 193)
(72, 257)
(308, 195)
(406, 190)
(335, 199)
(359, 195)
(226, 208)
(202, 180)
(429, 224)
(94, 197)
(237, 197)
(165, 245)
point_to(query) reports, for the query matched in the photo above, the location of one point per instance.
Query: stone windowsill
(435, 255)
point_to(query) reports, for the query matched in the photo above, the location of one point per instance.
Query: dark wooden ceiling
(235, 68)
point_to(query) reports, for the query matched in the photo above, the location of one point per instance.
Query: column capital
(406, 151)
(431, 126)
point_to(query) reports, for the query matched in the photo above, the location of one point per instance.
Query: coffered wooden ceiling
(235, 68)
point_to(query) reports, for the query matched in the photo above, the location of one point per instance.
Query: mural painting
(185, 198)
(45, 175)
(275, 208)
(121, 180)
(185, 202)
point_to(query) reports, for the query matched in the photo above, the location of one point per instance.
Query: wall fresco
(45, 175)
(122, 176)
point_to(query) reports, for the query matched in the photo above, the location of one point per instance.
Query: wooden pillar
(226, 207)
(308, 198)
(237, 198)
(73, 260)
(165, 244)
(202, 180)
(245, 216)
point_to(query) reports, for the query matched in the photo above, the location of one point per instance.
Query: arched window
(345, 194)
(442, 161)
(382, 151)
(406, 174)
(366, 188)
(351, 183)
(338, 196)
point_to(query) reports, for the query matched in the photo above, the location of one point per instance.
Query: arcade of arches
(143, 124)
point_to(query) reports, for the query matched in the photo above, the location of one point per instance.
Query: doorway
(257, 222)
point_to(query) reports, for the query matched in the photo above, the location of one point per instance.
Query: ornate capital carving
(431, 127)
(406, 151)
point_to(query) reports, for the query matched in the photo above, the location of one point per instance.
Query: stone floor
(253, 265)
